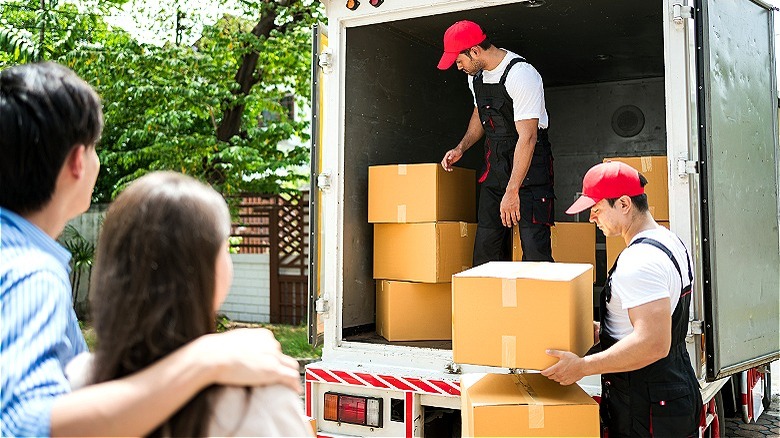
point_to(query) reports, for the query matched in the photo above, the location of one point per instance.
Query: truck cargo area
(602, 63)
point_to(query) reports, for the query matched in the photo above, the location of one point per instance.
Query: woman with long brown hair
(162, 270)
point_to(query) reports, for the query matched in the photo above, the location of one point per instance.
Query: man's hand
(510, 208)
(250, 357)
(451, 157)
(596, 329)
(568, 370)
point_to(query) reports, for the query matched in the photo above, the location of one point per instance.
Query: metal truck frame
(702, 77)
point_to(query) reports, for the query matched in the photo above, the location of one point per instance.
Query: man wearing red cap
(517, 177)
(648, 384)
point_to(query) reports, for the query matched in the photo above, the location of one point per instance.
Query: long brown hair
(153, 284)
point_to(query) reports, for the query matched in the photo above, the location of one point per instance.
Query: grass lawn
(294, 339)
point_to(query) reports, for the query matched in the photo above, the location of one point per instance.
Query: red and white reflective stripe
(308, 400)
(384, 381)
(409, 416)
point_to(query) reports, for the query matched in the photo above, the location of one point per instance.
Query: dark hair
(639, 201)
(485, 44)
(153, 284)
(45, 111)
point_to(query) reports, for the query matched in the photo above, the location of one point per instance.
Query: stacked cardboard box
(423, 234)
(507, 314)
(572, 242)
(525, 405)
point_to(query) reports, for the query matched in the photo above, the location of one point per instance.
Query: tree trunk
(246, 77)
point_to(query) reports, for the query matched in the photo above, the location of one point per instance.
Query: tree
(198, 109)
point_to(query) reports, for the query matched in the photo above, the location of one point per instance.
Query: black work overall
(663, 398)
(493, 241)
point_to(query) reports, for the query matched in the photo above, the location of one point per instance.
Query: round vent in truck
(628, 121)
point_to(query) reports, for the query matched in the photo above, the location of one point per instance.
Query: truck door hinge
(325, 60)
(323, 181)
(697, 327)
(687, 167)
(321, 305)
(681, 12)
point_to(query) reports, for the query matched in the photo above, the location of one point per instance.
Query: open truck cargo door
(319, 45)
(738, 159)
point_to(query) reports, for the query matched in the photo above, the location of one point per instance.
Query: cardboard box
(410, 193)
(413, 311)
(572, 242)
(506, 314)
(428, 252)
(525, 405)
(615, 245)
(657, 188)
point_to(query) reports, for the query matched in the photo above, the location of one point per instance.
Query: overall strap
(477, 83)
(660, 246)
(666, 251)
(509, 67)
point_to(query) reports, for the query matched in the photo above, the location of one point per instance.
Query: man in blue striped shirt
(50, 121)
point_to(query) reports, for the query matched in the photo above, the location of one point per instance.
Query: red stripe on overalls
(483, 177)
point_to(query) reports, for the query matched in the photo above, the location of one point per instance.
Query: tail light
(364, 411)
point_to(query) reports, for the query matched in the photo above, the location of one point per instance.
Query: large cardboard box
(428, 252)
(408, 193)
(657, 188)
(615, 245)
(413, 311)
(525, 405)
(572, 242)
(506, 314)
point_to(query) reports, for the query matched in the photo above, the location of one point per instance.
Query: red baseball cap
(459, 37)
(609, 180)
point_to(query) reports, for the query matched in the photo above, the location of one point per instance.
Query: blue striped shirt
(40, 333)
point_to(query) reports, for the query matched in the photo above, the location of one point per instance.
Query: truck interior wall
(582, 135)
(398, 109)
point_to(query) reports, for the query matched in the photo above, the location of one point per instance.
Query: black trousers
(493, 241)
(495, 244)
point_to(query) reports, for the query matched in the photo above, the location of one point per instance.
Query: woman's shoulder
(264, 411)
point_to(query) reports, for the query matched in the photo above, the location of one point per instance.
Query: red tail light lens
(363, 411)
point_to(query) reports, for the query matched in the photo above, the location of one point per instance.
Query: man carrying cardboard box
(648, 384)
(517, 177)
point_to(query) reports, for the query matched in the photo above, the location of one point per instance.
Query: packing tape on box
(508, 292)
(647, 164)
(401, 213)
(402, 169)
(464, 229)
(508, 351)
(535, 407)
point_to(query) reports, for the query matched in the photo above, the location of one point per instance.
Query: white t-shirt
(645, 273)
(274, 410)
(524, 85)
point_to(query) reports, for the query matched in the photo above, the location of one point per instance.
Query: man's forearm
(136, 404)
(629, 354)
(474, 132)
(524, 151)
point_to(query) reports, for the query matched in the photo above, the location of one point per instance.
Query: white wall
(249, 299)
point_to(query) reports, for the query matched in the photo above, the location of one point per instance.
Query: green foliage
(31, 30)
(196, 109)
(82, 254)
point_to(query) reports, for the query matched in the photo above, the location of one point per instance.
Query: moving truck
(693, 81)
